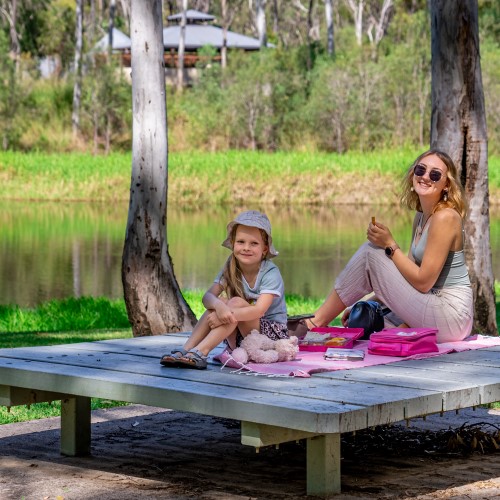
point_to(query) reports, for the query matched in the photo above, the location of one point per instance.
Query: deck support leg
(323, 465)
(75, 426)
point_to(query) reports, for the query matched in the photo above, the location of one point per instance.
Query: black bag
(369, 315)
(297, 325)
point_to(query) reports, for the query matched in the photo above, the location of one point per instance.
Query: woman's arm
(444, 228)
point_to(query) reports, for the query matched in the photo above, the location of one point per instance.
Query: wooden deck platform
(271, 410)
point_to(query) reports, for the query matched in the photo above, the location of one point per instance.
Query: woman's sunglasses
(434, 175)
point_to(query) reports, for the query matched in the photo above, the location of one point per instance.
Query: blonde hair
(454, 190)
(232, 276)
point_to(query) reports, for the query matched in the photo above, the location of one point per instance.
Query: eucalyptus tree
(112, 12)
(225, 23)
(9, 11)
(260, 21)
(152, 296)
(228, 8)
(77, 85)
(458, 126)
(181, 49)
(378, 22)
(357, 8)
(330, 42)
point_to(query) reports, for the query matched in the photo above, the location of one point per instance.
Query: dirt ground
(140, 452)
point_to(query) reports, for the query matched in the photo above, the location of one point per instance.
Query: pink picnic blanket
(308, 363)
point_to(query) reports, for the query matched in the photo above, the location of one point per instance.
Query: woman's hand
(345, 316)
(379, 235)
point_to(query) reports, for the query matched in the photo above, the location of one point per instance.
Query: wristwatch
(389, 251)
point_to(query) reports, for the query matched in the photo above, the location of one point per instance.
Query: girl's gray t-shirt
(268, 280)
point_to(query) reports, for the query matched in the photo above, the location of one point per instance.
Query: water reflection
(57, 250)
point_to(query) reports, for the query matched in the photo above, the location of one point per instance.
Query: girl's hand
(223, 314)
(213, 320)
(379, 235)
(345, 316)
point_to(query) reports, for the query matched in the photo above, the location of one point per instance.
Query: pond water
(58, 250)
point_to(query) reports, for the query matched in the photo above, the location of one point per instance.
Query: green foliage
(106, 106)
(293, 97)
(57, 32)
(10, 97)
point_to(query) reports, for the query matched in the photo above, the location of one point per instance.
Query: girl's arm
(442, 236)
(212, 302)
(255, 311)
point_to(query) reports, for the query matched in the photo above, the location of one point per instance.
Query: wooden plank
(75, 426)
(462, 386)
(259, 435)
(301, 413)
(125, 364)
(323, 465)
(15, 396)
(388, 406)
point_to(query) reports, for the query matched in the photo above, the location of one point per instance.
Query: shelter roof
(199, 35)
(120, 41)
(192, 16)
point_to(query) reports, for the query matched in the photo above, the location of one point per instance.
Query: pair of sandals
(180, 358)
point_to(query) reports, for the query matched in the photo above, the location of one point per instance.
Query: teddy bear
(261, 349)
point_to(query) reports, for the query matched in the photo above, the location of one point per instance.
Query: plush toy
(261, 349)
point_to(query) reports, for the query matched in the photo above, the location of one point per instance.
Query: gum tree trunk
(154, 302)
(181, 49)
(261, 22)
(330, 44)
(77, 86)
(458, 127)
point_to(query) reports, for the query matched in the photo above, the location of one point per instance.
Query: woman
(430, 286)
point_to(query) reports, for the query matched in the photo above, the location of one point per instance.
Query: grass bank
(236, 177)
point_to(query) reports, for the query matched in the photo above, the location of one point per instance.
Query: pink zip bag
(403, 342)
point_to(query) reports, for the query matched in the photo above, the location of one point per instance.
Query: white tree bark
(152, 296)
(379, 25)
(181, 49)
(112, 9)
(225, 22)
(261, 22)
(357, 9)
(330, 44)
(77, 86)
(458, 127)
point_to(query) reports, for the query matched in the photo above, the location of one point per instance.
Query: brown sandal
(172, 359)
(193, 359)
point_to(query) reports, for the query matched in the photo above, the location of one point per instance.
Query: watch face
(388, 251)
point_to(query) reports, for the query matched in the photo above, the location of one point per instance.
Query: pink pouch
(403, 341)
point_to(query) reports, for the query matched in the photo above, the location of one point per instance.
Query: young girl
(247, 294)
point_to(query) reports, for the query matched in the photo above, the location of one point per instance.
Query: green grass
(70, 314)
(233, 176)
(37, 411)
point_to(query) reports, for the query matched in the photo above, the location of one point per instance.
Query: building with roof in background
(200, 32)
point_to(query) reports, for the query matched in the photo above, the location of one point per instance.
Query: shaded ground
(150, 453)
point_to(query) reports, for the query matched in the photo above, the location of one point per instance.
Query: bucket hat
(252, 218)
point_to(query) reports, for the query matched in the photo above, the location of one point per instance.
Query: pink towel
(308, 363)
